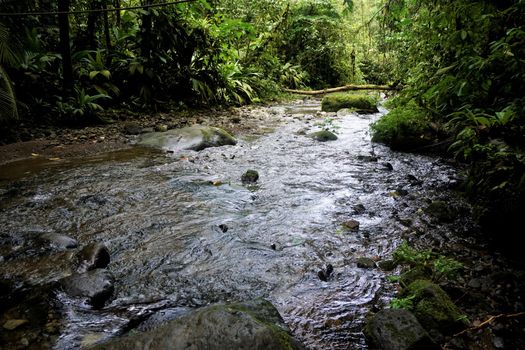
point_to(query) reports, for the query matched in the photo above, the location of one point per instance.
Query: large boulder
(396, 329)
(434, 309)
(194, 138)
(361, 103)
(250, 326)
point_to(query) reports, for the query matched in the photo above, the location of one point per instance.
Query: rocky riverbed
(96, 245)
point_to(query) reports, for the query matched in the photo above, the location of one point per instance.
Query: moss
(434, 308)
(323, 136)
(403, 128)
(360, 102)
(265, 314)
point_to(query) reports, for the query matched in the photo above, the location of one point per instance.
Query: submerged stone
(93, 256)
(95, 285)
(366, 263)
(351, 225)
(250, 177)
(59, 241)
(323, 136)
(396, 329)
(250, 326)
(194, 138)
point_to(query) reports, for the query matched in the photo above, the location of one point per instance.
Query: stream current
(184, 232)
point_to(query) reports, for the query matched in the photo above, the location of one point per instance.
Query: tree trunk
(107, 36)
(147, 24)
(342, 88)
(91, 33)
(65, 50)
(117, 13)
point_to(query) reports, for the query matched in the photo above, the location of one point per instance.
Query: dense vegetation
(462, 66)
(68, 67)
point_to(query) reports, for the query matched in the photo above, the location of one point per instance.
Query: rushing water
(159, 215)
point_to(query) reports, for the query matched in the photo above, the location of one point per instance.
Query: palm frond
(8, 108)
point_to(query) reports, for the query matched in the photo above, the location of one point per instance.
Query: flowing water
(160, 215)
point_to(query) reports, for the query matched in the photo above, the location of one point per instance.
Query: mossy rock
(434, 309)
(362, 103)
(323, 136)
(396, 329)
(404, 128)
(412, 275)
(194, 138)
(251, 325)
(441, 211)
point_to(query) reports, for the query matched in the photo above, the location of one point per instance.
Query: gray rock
(59, 241)
(194, 138)
(366, 263)
(95, 285)
(323, 136)
(93, 256)
(351, 225)
(132, 129)
(396, 329)
(387, 265)
(250, 326)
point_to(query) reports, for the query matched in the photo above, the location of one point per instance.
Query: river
(184, 232)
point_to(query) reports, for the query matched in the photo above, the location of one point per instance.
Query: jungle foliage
(462, 67)
(69, 67)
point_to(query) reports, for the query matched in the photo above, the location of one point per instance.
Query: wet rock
(351, 225)
(322, 275)
(367, 158)
(14, 324)
(366, 263)
(95, 285)
(434, 309)
(132, 129)
(194, 138)
(359, 209)
(412, 275)
(323, 136)
(396, 329)
(59, 241)
(388, 166)
(93, 256)
(441, 210)
(329, 269)
(251, 325)
(250, 177)
(387, 265)
(161, 127)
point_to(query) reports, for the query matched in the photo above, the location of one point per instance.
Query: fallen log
(342, 88)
